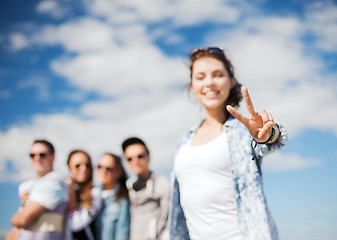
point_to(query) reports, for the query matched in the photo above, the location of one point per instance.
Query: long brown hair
(123, 191)
(83, 192)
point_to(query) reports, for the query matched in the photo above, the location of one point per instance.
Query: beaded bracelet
(272, 135)
(254, 143)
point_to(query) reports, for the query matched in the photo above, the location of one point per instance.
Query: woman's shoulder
(235, 127)
(233, 122)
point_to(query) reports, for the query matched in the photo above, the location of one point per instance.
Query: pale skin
(12, 235)
(259, 124)
(211, 85)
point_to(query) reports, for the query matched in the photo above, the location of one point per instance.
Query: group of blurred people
(217, 187)
(75, 208)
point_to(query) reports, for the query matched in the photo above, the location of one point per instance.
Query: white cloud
(278, 162)
(307, 106)
(322, 22)
(182, 13)
(130, 11)
(18, 41)
(52, 8)
(159, 125)
(122, 70)
(41, 85)
(127, 24)
(268, 51)
(191, 12)
(20, 138)
(83, 35)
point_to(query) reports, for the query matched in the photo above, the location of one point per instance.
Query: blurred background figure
(149, 194)
(113, 221)
(84, 198)
(44, 200)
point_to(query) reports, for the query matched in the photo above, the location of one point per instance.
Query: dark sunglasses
(41, 155)
(87, 165)
(109, 169)
(195, 54)
(141, 156)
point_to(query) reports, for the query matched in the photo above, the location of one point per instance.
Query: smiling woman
(215, 159)
(84, 198)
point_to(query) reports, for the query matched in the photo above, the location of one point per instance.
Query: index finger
(248, 100)
(237, 115)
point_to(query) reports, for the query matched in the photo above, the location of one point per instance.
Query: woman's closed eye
(199, 76)
(218, 74)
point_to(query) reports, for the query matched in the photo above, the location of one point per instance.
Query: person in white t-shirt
(44, 200)
(217, 190)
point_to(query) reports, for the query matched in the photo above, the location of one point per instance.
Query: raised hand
(259, 124)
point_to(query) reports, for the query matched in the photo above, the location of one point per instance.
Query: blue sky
(87, 74)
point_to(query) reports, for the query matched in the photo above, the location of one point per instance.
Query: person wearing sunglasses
(149, 194)
(44, 199)
(217, 190)
(113, 221)
(84, 199)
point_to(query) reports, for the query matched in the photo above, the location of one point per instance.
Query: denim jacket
(113, 222)
(255, 221)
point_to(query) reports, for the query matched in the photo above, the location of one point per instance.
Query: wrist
(274, 133)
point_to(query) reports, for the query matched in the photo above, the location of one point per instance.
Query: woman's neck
(215, 117)
(209, 129)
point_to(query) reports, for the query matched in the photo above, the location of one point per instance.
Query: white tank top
(206, 190)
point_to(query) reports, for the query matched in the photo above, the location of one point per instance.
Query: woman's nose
(209, 80)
